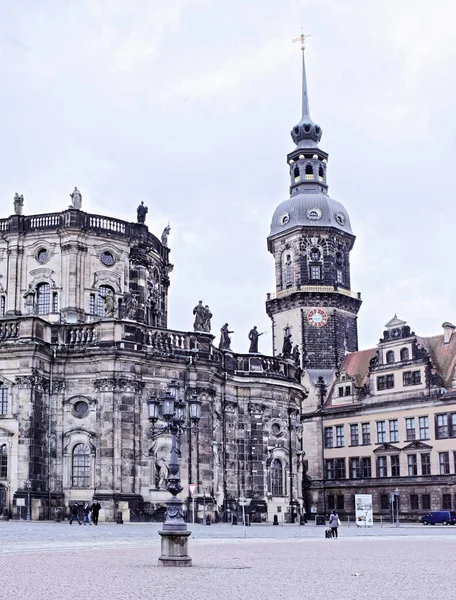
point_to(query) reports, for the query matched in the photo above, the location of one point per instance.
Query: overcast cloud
(188, 106)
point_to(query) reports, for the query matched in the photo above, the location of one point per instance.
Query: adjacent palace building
(85, 345)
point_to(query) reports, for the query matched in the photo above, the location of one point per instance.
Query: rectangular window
(340, 504)
(389, 382)
(424, 428)
(414, 502)
(92, 304)
(381, 432)
(3, 462)
(329, 468)
(340, 442)
(425, 464)
(2, 306)
(416, 377)
(355, 468)
(410, 433)
(55, 302)
(446, 501)
(329, 443)
(453, 425)
(444, 463)
(341, 392)
(340, 468)
(366, 467)
(3, 400)
(441, 426)
(426, 501)
(340, 277)
(384, 502)
(331, 501)
(407, 378)
(354, 435)
(366, 434)
(315, 272)
(348, 390)
(381, 383)
(395, 466)
(381, 466)
(412, 465)
(394, 430)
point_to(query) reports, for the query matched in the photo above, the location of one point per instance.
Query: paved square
(47, 561)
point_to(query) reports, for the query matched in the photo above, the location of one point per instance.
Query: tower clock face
(317, 317)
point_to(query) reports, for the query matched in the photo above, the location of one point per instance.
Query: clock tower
(311, 239)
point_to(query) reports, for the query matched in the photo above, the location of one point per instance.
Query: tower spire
(306, 133)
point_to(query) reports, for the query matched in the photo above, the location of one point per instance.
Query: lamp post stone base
(174, 549)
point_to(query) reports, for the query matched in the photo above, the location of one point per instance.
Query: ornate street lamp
(28, 485)
(174, 535)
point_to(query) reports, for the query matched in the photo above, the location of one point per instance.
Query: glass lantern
(195, 407)
(167, 402)
(153, 405)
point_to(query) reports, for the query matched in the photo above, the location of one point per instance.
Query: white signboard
(363, 510)
(20, 502)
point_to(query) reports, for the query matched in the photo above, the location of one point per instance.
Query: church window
(404, 354)
(102, 291)
(321, 174)
(43, 299)
(309, 172)
(3, 400)
(390, 357)
(296, 174)
(42, 256)
(315, 272)
(55, 302)
(3, 462)
(315, 254)
(80, 471)
(92, 304)
(277, 480)
(2, 306)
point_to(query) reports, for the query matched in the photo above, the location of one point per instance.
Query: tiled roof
(443, 356)
(356, 365)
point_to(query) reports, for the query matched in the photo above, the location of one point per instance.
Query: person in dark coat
(75, 514)
(95, 508)
(86, 511)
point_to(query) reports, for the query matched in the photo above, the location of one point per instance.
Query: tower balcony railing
(319, 289)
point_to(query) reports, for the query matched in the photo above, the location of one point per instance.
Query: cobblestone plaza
(44, 561)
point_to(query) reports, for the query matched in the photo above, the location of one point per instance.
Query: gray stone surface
(44, 561)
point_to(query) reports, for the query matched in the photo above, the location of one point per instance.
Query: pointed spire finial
(305, 95)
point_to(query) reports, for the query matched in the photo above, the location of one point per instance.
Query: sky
(188, 106)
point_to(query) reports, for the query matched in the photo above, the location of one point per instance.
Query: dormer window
(404, 354)
(309, 172)
(390, 357)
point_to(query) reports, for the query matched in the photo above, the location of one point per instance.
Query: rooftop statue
(225, 340)
(18, 203)
(254, 334)
(142, 212)
(203, 318)
(76, 199)
(165, 234)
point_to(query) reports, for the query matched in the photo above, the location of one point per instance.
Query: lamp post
(28, 484)
(174, 535)
(396, 495)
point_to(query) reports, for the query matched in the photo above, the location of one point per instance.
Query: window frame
(381, 432)
(81, 466)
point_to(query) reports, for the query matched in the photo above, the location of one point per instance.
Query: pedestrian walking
(95, 508)
(74, 514)
(334, 523)
(86, 511)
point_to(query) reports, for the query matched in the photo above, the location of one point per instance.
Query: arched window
(80, 466)
(277, 487)
(296, 174)
(321, 174)
(102, 291)
(390, 357)
(288, 271)
(3, 462)
(404, 354)
(309, 172)
(43, 299)
(3, 400)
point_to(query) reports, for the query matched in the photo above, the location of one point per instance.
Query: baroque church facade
(85, 345)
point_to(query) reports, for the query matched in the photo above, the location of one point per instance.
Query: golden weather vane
(302, 38)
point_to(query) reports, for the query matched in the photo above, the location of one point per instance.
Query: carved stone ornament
(29, 381)
(58, 386)
(256, 408)
(112, 384)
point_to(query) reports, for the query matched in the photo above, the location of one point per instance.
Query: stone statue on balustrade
(254, 334)
(108, 304)
(287, 346)
(76, 199)
(161, 474)
(225, 340)
(296, 355)
(164, 236)
(129, 306)
(29, 300)
(142, 212)
(203, 318)
(18, 201)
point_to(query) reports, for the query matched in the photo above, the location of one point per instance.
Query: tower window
(2, 306)
(315, 254)
(103, 290)
(43, 299)
(92, 304)
(340, 277)
(288, 271)
(321, 174)
(309, 172)
(296, 175)
(55, 302)
(277, 480)
(315, 272)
